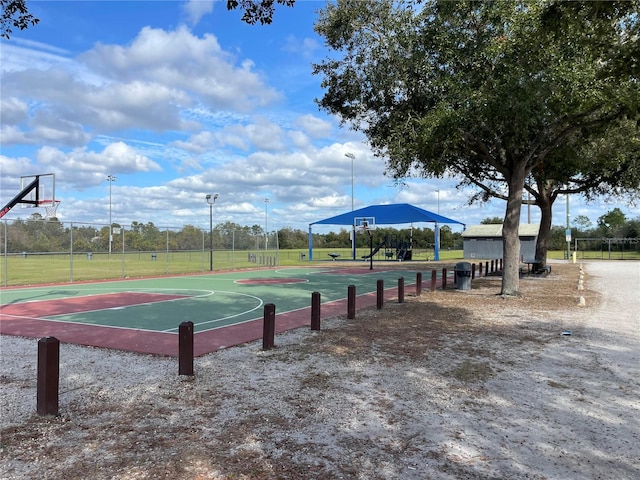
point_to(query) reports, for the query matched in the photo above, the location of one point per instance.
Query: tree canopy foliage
(258, 11)
(15, 14)
(491, 92)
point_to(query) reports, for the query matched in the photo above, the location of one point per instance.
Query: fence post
(380, 294)
(48, 375)
(315, 311)
(473, 271)
(269, 327)
(418, 284)
(434, 279)
(444, 278)
(401, 290)
(351, 302)
(185, 348)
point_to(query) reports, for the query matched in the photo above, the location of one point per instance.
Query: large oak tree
(487, 91)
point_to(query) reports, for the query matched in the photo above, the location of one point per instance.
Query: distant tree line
(36, 234)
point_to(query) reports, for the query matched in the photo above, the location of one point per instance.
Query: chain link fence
(607, 248)
(36, 251)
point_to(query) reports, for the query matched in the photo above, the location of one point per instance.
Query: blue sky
(181, 99)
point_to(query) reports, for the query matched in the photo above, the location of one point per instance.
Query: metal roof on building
(495, 230)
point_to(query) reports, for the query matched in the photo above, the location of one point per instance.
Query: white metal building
(485, 241)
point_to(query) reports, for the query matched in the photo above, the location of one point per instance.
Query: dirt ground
(447, 385)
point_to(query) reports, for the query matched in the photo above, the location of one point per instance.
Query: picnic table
(531, 263)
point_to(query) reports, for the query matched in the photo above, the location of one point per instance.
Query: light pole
(437, 249)
(110, 179)
(266, 241)
(208, 197)
(353, 223)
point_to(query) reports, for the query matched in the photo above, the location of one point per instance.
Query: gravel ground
(448, 385)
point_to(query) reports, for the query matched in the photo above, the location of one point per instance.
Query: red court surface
(16, 322)
(86, 303)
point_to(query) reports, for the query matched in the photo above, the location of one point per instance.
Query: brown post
(473, 271)
(434, 279)
(444, 278)
(500, 264)
(315, 311)
(492, 266)
(401, 290)
(380, 294)
(351, 302)
(48, 375)
(185, 348)
(269, 329)
(486, 269)
(480, 270)
(418, 284)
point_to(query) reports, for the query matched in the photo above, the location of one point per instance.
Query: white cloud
(305, 47)
(299, 139)
(196, 9)
(198, 143)
(145, 85)
(179, 59)
(314, 126)
(13, 110)
(92, 166)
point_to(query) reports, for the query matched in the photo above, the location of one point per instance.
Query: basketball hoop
(50, 207)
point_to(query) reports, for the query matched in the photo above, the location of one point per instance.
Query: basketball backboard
(365, 223)
(43, 190)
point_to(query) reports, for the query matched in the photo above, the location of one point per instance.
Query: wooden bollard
(434, 279)
(492, 266)
(351, 302)
(269, 329)
(480, 270)
(401, 290)
(48, 375)
(500, 264)
(486, 269)
(185, 348)
(379, 294)
(444, 278)
(473, 271)
(315, 311)
(418, 284)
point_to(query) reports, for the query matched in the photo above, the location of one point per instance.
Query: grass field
(35, 268)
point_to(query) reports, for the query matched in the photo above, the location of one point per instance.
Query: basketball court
(226, 309)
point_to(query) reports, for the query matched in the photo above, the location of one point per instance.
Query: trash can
(154, 256)
(463, 276)
(89, 255)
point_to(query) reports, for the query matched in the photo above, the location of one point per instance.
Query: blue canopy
(392, 214)
(388, 215)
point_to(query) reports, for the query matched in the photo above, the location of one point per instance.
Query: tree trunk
(510, 237)
(542, 244)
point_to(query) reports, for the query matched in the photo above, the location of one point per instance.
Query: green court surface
(209, 301)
